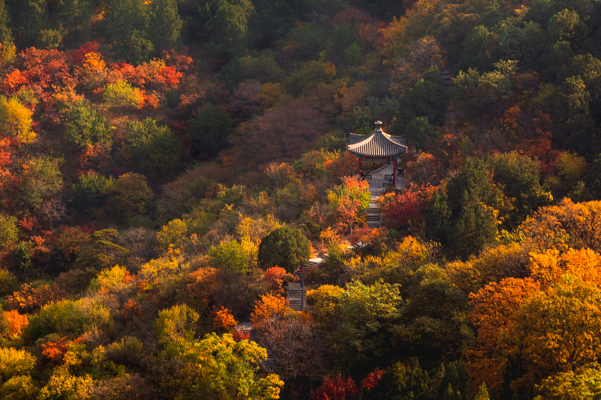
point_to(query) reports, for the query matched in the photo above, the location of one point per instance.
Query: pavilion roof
(378, 144)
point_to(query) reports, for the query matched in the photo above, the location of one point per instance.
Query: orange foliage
(131, 308)
(372, 379)
(55, 351)
(201, 286)
(548, 267)
(17, 323)
(29, 299)
(269, 306)
(277, 278)
(341, 164)
(368, 237)
(567, 224)
(495, 309)
(224, 320)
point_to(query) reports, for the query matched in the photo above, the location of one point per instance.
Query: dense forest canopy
(168, 168)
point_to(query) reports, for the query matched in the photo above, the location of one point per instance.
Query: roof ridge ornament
(378, 125)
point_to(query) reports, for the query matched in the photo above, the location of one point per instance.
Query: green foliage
(8, 282)
(209, 129)
(425, 99)
(584, 383)
(165, 24)
(126, 351)
(225, 24)
(364, 329)
(85, 126)
(175, 328)
(166, 274)
(150, 148)
(122, 95)
(9, 231)
(127, 27)
(91, 192)
(23, 255)
(519, 178)
(226, 369)
(6, 36)
(66, 317)
(421, 133)
(229, 255)
(286, 248)
(101, 252)
(132, 196)
(42, 179)
(262, 68)
(310, 74)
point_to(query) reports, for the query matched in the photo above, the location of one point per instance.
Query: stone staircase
(296, 296)
(373, 216)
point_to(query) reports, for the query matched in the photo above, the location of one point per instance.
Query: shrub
(126, 351)
(284, 247)
(122, 95)
(150, 148)
(229, 255)
(8, 282)
(42, 179)
(85, 127)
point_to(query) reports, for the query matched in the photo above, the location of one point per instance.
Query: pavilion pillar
(360, 168)
(394, 168)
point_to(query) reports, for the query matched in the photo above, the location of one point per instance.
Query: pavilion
(379, 146)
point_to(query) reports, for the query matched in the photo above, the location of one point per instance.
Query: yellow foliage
(15, 120)
(570, 166)
(491, 265)
(325, 301)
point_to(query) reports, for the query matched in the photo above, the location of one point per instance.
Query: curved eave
(377, 145)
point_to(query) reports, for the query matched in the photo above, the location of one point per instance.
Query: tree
(122, 95)
(9, 231)
(557, 330)
(42, 179)
(91, 192)
(229, 255)
(101, 252)
(349, 201)
(225, 24)
(127, 26)
(225, 369)
(150, 148)
(519, 176)
(74, 16)
(284, 247)
(209, 129)
(85, 126)
(584, 383)
(299, 349)
(367, 315)
(132, 196)
(281, 134)
(175, 328)
(165, 24)
(337, 388)
(15, 120)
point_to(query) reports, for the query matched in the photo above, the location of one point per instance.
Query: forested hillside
(168, 168)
